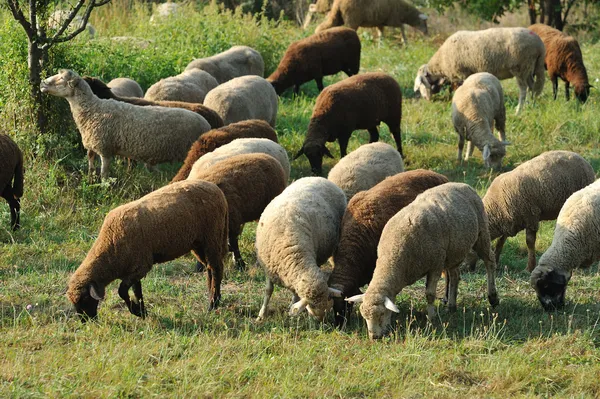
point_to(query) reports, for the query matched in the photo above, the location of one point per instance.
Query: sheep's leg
(567, 86)
(501, 125)
(343, 141)
(15, 207)
(373, 135)
(199, 267)
(319, 81)
(396, 133)
(554, 86)
(484, 251)
(268, 292)
(530, 236)
(499, 245)
(297, 89)
(522, 95)
(136, 307)
(452, 279)
(295, 297)
(379, 35)
(91, 156)
(430, 290)
(214, 276)
(404, 39)
(470, 148)
(461, 144)
(235, 248)
(105, 167)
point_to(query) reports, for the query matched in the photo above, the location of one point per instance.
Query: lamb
(249, 182)
(358, 102)
(233, 63)
(475, 106)
(148, 134)
(503, 52)
(100, 89)
(366, 215)
(364, 168)
(322, 54)
(188, 86)
(210, 141)
(244, 146)
(433, 233)
(246, 97)
(125, 87)
(159, 227)
(375, 13)
(533, 192)
(11, 178)
(575, 245)
(564, 60)
(296, 233)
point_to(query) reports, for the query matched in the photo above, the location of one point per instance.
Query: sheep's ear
(391, 305)
(97, 291)
(299, 153)
(356, 298)
(326, 152)
(423, 17)
(298, 307)
(486, 152)
(425, 81)
(334, 293)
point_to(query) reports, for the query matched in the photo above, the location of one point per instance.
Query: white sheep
(59, 17)
(243, 98)
(476, 105)
(297, 232)
(235, 62)
(243, 146)
(366, 166)
(125, 87)
(503, 52)
(576, 244)
(109, 127)
(188, 86)
(433, 233)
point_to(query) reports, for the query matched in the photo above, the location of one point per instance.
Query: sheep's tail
(334, 18)
(540, 75)
(18, 178)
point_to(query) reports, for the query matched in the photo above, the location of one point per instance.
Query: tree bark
(36, 61)
(532, 12)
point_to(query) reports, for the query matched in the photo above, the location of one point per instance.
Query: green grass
(181, 350)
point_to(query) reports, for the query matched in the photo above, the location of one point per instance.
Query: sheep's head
(550, 286)
(582, 92)
(277, 85)
(317, 307)
(425, 83)
(377, 312)
(422, 26)
(86, 299)
(493, 154)
(99, 88)
(314, 153)
(62, 84)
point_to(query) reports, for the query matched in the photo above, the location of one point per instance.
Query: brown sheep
(322, 54)
(359, 102)
(101, 90)
(11, 178)
(564, 60)
(367, 213)
(249, 182)
(159, 227)
(208, 142)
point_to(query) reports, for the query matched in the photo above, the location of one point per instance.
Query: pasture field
(181, 350)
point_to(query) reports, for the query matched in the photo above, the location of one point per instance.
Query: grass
(181, 350)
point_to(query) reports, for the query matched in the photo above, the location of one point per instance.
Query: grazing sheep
(359, 102)
(321, 54)
(503, 52)
(297, 232)
(374, 13)
(564, 60)
(366, 215)
(100, 89)
(321, 7)
(243, 98)
(11, 178)
(533, 192)
(476, 105)
(188, 86)
(235, 62)
(576, 244)
(125, 87)
(208, 142)
(249, 182)
(59, 17)
(159, 227)
(244, 146)
(433, 233)
(148, 134)
(365, 167)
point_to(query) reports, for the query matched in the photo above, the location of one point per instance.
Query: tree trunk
(36, 60)
(532, 13)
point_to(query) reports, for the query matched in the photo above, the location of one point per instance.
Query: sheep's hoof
(240, 264)
(199, 267)
(494, 301)
(138, 310)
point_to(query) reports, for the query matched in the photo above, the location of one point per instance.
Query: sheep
(244, 146)
(188, 86)
(503, 52)
(321, 7)
(564, 60)
(575, 245)
(375, 13)
(148, 134)
(322, 54)
(476, 105)
(366, 215)
(100, 89)
(159, 227)
(365, 167)
(431, 234)
(11, 178)
(235, 62)
(208, 142)
(59, 17)
(249, 182)
(533, 192)
(125, 87)
(296, 233)
(246, 97)
(358, 102)
(165, 10)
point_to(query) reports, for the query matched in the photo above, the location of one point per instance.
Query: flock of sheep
(380, 225)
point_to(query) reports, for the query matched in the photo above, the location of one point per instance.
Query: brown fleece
(11, 176)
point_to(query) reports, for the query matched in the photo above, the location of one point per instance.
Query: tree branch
(13, 5)
(569, 5)
(33, 18)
